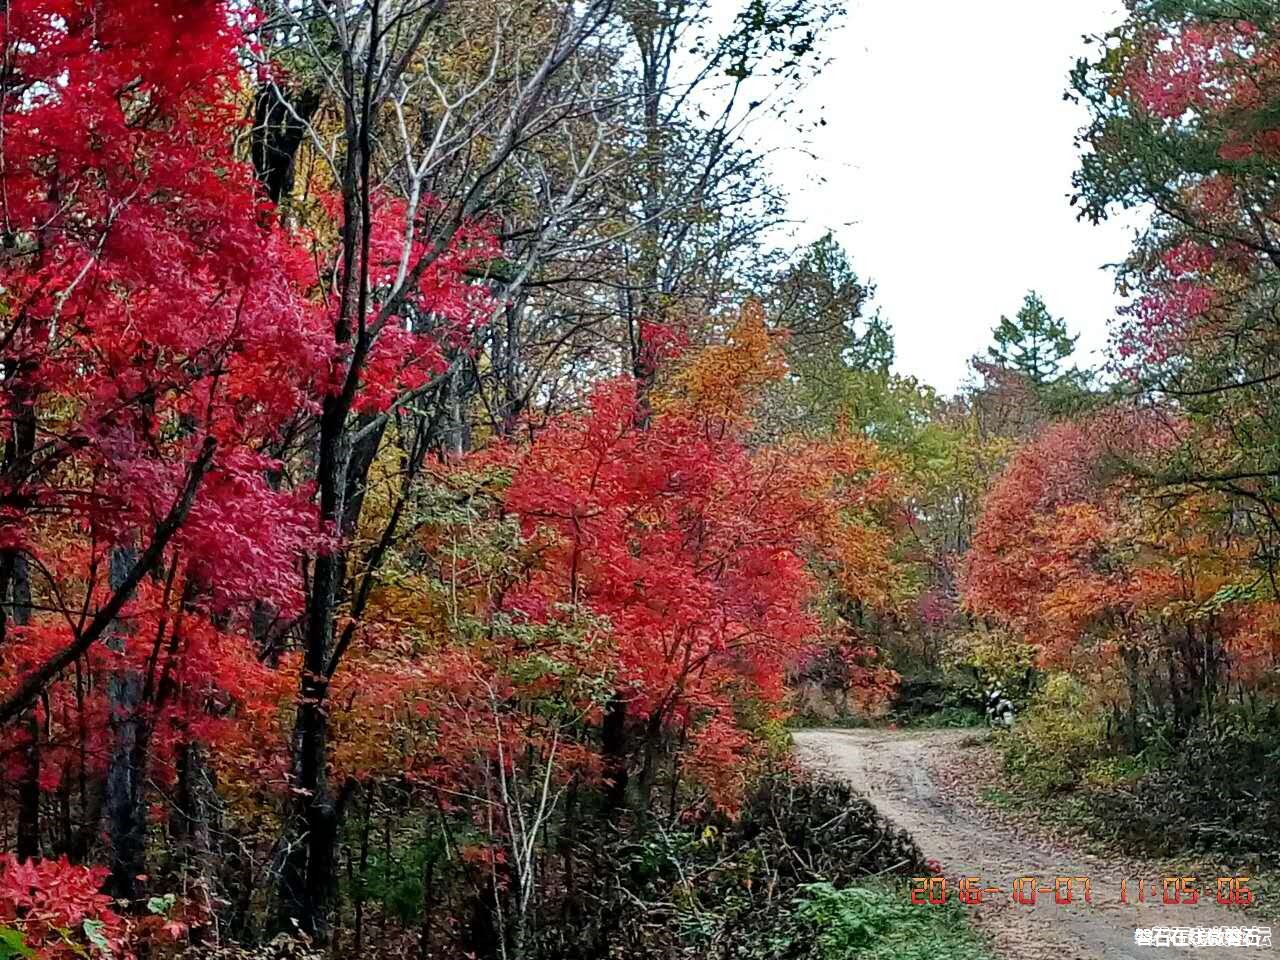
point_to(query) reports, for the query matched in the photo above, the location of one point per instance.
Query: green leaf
(161, 906)
(12, 944)
(93, 933)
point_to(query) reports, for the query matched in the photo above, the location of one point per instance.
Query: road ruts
(893, 768)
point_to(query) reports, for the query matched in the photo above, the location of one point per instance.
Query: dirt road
(896, 771)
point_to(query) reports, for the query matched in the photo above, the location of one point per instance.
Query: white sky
(947, 159)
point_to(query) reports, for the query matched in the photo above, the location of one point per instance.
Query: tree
(163, 329)
(702, 554)
(821, 303)
(148, 357)
(1033, 343)
(695, 202)
(1182, 103)
(1080, 558)
(839, 358)
(267, 281)
(397, 239)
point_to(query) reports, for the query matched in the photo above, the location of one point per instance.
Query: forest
(434, 489)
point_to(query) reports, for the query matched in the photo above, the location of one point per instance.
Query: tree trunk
(649, 766)
(359, 884)
(308, 881)
(613, 744)
(1130, 656)
(428, 907)
(123, 803)
(28, 841)
(197, 812)
(506, 353)
(277, 132)
(17, 576)
(15, 588)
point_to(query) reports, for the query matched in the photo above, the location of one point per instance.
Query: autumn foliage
(340, 566)
(171, 340)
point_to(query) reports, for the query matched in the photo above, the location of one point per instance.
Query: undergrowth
(878, 922)
(1211, 793)
(949, 718)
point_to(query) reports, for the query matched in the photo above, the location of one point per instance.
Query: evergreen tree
(839, 354)
(1034, 343)
(820, 300)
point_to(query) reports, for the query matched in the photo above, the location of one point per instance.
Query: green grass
(879, 922)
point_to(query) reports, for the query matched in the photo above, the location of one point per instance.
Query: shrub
(938, 699)
(879, 923)
(998, 657)
(952, 717)
(1056, 739)
(283, 947)
(720, 888)
(56, 910)
(1118, 771)
(1218, 793)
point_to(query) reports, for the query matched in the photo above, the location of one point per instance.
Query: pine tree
(1034, 343)
(874, 350)
(820, 300)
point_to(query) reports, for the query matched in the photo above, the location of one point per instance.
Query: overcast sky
(947, 159)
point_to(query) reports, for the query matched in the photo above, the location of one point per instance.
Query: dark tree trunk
(17, 576)
(359, 881)
(123, 802)
(278, 132)
(568, 838)
(652, 752)
(506, 356)
(1130, 657)
(613, 744)
(481, 937)
(15, 597)
(28, 840)
(428, 907)
(196, 815)
(309, 874)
